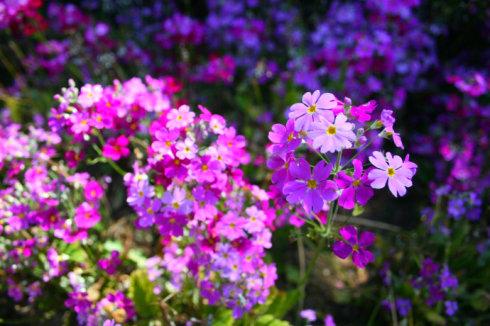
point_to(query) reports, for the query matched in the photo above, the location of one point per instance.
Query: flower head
(332, 135)
(391, 169)
(311, 190)
(313, 107)
(353, 245)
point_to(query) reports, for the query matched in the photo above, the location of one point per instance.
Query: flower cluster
(22, 16)
(215, 224)
(329, 128)
(41, 200)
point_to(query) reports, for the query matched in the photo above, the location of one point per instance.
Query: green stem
(306, 276)
(113, 164)
(357, 154)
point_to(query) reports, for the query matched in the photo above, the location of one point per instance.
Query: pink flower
(93, 191)
(313, 107)
(86, 216)
(391, 169)
(180, 118)
(310, 190)
(352, 245)
(231, 226)
(89, 95)
(186, 149)
(116, 148)
(165, 140)
(332, 135)
(355, 187)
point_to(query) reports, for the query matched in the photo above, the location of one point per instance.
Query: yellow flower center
(391, 172)
(204, 167)
(331, 130)
(312, 184)
(175, 205)
(356, 183)
(291, 136)
(311, 109)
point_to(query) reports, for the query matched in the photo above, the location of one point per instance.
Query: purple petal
(341, 249)
(349, 233)
(300, 169)
(357, 168)
(346, 199)
(366, 239)
(321, 171)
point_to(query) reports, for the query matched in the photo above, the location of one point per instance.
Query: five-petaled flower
(352, 244)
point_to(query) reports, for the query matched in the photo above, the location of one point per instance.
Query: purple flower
(172, 224)
(451, 307)
(391, 169)
(313, 106)
(310, 190)
(332, 135)
(403, 306)
(355, 246)
(448, 280)
(329, 321)
(355, 188)
(284, 138)
(308, 314)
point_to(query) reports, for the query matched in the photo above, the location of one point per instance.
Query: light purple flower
(313, 106)
(308, 314)
(332, 135)
(391, 169)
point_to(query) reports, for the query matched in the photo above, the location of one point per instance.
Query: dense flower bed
(126, 200)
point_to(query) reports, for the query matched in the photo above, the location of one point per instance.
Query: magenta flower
(353, 245)
(116, 148)
(86, 216)
(93, 191)
(355, 188)
(310, 190)
(284, 138)
(313, 107)
(391, 169)
(332, 135)
(205, 169)
(362, 113)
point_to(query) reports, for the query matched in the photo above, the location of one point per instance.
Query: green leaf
(358, 210)
(138, 257)
(110, 245)
(141, 292)
(279, 303)
(223, 317)
(269, 320)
